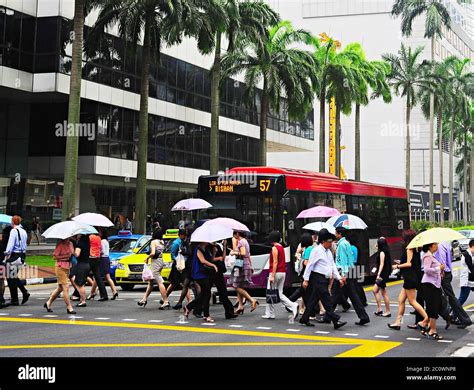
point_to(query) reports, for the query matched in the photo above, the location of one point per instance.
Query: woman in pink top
(431, 285)
(62, 254)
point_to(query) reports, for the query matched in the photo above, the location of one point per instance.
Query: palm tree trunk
(357, 142)
(464, 209)
(338, 140)
(441, 184)
(408, 149)
(140, 201)
(451, 170)
(322, 131)
(471, 183)
(215, 106)
(263, 126)
(432, 114)
(74, 114)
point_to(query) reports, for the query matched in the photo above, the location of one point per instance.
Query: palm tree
(408, 74)
(271, 60)
(436, 17)
(244, 20)
(442, 99)
(153, 23)
(460, 83)
(371, 74)
(74, 112)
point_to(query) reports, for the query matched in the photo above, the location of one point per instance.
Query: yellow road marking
(166, 345)
(367, 289)
(365, 348)
(468, 306)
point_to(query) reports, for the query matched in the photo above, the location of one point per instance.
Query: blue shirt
(175, 248)
(16, 245)
(355, 252)
(196, 272)
(344, 255)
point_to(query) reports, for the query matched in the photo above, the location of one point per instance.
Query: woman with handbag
(156, 255)
(276, 279)
(241, 276)
(62, 254)
(202, 269)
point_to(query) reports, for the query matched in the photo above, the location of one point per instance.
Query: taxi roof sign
(124, 233)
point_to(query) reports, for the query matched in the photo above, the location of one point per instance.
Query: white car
(464, 243)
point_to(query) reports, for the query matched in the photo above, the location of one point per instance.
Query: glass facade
(42, 45)
(114, 133)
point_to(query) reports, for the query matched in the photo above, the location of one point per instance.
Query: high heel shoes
(91, 297)
(186, 311)
(394, 327)
(48, 309)
(142, 303)
(255, 303)
(114, 296)
(239, 311)
(70, 311)
(166, 306)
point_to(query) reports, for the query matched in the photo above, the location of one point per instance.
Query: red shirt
(281, 267)
(95, 245)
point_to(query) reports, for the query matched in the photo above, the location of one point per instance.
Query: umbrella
(347, 221)
(5, 219)
(93, 219)
(211, 233)
(317, 226)
(66, 229)
(319, 212)
(229, 222)
(434, 235)
(191, 204)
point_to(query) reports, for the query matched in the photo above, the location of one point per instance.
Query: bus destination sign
(230, 185)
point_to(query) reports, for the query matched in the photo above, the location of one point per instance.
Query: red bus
(269, 198)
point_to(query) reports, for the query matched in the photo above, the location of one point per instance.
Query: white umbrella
(191, 204)
(317, 226)
(347, 221)
(94, 219)
(211, 233)
(229, 222)
(66, 229)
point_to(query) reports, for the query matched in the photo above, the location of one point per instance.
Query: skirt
(82, 272)
(104, 266)
(241, 277)
(156, 268)
(62, 274)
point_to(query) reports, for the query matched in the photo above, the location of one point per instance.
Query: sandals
(209, 319)
(186, 311)
(435, 336)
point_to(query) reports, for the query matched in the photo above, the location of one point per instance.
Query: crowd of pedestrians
(328, 267)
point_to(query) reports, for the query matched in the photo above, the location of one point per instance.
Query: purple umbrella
(319, 212)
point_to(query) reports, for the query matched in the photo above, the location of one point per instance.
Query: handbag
(239, 262)
(147, 273)
(272, 295)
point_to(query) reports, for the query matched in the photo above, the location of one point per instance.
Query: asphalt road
(122, 328)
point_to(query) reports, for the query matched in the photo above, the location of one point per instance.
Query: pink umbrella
(228, 222)
(319, 212)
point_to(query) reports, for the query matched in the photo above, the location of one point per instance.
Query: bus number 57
(264, 185)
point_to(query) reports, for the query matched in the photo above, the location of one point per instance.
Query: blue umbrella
(6, 219)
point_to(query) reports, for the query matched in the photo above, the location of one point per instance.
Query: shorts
(409, 284)
(62, 274)
(104, 266)
(82, 272)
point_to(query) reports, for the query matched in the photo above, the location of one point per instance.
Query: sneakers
(265, 317)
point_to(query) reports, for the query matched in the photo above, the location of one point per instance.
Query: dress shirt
(14, 244)
(344, 255)
(444, 255)
(321, 261)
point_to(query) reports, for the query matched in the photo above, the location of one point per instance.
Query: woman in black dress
(384, 269)
(410, 269)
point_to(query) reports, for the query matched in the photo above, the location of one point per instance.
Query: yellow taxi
(129, 268)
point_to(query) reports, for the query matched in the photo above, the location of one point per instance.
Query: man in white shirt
(320, 269)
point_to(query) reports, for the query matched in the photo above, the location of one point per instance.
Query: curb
(34, 281)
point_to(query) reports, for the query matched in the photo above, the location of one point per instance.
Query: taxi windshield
(122, 245)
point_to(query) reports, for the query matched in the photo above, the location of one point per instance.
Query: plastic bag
(147, 274)
(180, 262)
(229, 261)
